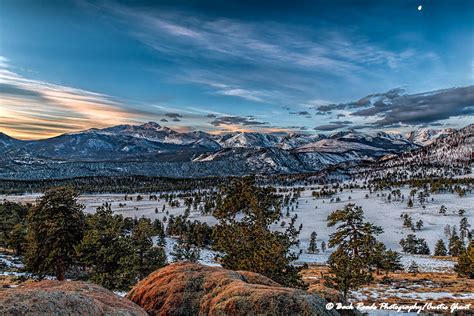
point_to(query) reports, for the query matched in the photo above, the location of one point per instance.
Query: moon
(420, 7)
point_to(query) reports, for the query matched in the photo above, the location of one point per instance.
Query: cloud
(237, 120)
(364, 102)
(302, 113)
(251, 95)
(33, 109)
(333, 126)
(395, 108)
(175, 117)
(265, 61)
(421, 108)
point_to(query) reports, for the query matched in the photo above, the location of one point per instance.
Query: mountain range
(155, 150)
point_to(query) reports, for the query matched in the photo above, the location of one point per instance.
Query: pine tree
(244, 236)
(464, 228)
(358, 252)
(443, 210)
(413, 268)
(346, 272)
(352, 234)
(410, 202)
(407, 222)
(440, 248)
(313, 246)
(13, 226)
(323, 246)
(423, 248)
(106, 250)
(419, 224)
(455, 244)
(55, 226)
(185, 251)
(391, 261)
(465, 265)
(17, 238)
(147, 257)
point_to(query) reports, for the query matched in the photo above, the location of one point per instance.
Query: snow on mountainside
(152, 149)
(449, 156)
(427, 136)
(457, 147)
(247, 140)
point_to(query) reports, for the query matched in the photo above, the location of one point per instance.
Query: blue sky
(235, 65)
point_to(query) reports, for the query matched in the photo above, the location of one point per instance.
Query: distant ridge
(155, 150)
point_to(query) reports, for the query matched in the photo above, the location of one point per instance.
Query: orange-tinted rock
(64, 298)
(193, 289)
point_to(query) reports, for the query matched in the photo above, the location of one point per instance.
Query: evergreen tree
(358, 252)
(243, 233)
(106, 250)
(440, 248)
(353, 235)
(407, 222)
(464, 228)
(323, 246)
(55, 226)
(443, 210)
(465, 265)
(185, 251)
(313, 246)
(413, 245)
(410, 202)
(346, 272)
(147, 257)
(455, 245)
(391, 261)
(413, 268)
(13, 226)
(419, 224)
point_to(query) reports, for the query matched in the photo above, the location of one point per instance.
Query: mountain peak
(151, 125)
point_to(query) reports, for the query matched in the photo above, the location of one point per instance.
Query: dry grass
(398, 283)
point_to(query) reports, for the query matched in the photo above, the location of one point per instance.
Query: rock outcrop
(193, 289)
(64, 298)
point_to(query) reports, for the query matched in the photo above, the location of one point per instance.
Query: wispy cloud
(254, 61)
(37, 109)
(237, 120)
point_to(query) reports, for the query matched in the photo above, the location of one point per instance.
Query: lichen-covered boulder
(193, 289)
(64, 298)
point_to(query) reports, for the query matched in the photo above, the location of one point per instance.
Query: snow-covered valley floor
(312, 214)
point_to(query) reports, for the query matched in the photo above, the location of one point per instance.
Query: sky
(216, 66)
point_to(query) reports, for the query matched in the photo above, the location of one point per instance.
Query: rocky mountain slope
(427, 136)
(448, 156)
(192, 289)
(154, 150)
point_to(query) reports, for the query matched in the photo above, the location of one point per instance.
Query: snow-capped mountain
(449, 156)
(152, 149)
(455, 147)
(247, 140)
(427, 136)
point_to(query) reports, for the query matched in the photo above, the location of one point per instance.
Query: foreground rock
(64, 298)
(193, 289)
